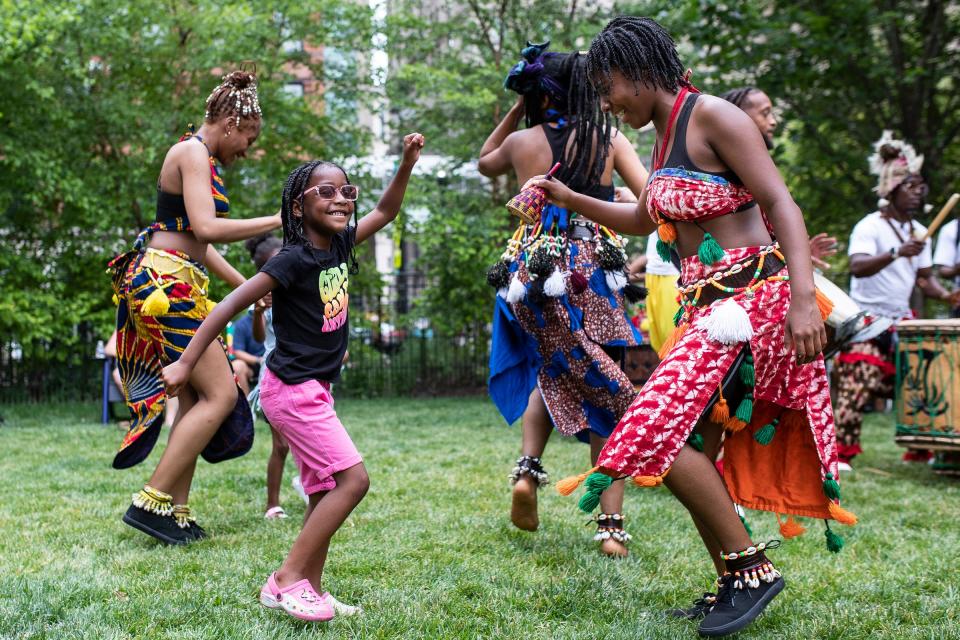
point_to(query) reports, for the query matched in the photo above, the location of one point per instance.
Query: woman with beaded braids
(161, 289)
(560, 329)
(749, 331)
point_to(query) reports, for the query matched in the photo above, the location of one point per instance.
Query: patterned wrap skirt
(786, 473)
(147, 343)
(572, 348)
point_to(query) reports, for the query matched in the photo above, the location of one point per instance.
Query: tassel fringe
(517, 291)
(831, 488)
(578, 282)
(667, 231)
(672, 340)
(156, 304)
(710, 250)
(616, 280)
(764, 434)
(568, 485)
(824, 304)
(790, 528)
(729, 323)
(834, 540)
(841, 515)
(556, 284)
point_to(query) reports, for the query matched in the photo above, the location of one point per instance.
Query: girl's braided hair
(641, 50)
(562, 78)
(293, 192)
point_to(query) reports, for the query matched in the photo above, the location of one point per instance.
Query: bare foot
(523, 512)
(613, 549)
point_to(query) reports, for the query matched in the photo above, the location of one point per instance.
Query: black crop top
(557, 139)
(679, 157)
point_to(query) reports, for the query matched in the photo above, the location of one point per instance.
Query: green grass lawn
(431, 553)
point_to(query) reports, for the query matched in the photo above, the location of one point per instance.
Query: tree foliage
(93, 93)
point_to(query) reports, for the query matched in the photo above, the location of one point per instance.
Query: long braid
(562, 78)
(739, 95)
(640, 49)
(292, 190)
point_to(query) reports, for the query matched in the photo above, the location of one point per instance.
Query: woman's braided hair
(563, 79)
(235, 96)
(641, 50)
(292, 192)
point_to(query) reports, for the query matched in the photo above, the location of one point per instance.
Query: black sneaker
(198, 532)
(735, 608)
(163, 528)
(701, 607)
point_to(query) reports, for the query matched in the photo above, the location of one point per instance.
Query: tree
(93, 93)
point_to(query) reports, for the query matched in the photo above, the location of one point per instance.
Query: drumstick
(554, 168)
(947, 208)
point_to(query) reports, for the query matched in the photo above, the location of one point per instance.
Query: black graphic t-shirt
(310, 310)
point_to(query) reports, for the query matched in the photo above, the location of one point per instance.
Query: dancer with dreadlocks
(560, 329)
(749, 333)
(161, 290)
(309, 278)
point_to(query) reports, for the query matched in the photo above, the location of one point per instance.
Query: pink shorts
(303, 414)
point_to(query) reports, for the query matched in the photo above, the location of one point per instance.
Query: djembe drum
(928, 384)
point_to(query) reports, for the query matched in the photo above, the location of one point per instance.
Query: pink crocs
(299, 600)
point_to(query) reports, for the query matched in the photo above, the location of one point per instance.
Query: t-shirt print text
(333, 293)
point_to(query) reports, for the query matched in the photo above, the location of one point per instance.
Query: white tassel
(882, 202)
(502, 292)
(728, 323)
(927, 208)
(556, 284)
(616, 280)
(517, 291)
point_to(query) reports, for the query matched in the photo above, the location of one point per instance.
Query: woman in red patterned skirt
(746, 356)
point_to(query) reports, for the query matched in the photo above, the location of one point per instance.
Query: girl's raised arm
(389, 206)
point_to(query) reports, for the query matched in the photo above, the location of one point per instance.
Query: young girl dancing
(309, 279)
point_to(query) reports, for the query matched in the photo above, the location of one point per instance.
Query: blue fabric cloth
(514, 362)
(243, 336)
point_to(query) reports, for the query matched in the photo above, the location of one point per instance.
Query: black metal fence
(392, 352)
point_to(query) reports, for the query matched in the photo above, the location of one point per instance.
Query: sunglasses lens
(348, 191)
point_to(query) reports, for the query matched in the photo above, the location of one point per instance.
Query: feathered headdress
(892, 161)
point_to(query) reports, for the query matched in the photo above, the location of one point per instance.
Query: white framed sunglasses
(328, 192)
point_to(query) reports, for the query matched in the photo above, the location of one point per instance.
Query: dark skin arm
(219, 267)
(177, 374)
(259, 319)
(389, 204)
(495, 158)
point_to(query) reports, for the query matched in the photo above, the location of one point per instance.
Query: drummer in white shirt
(888, 257)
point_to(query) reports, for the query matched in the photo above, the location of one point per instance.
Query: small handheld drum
(928, 384)
(528, 204)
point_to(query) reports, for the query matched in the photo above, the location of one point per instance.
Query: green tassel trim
(710, 250)
(597, 481)
(596, 484)
(765, 433)
(746, 525)
(745, 409)
(678, 316)
(696, 441)
(663, 250)
(830, 487)
(834, 541)
(747, 373)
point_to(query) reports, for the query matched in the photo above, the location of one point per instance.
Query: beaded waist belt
(741, 277)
